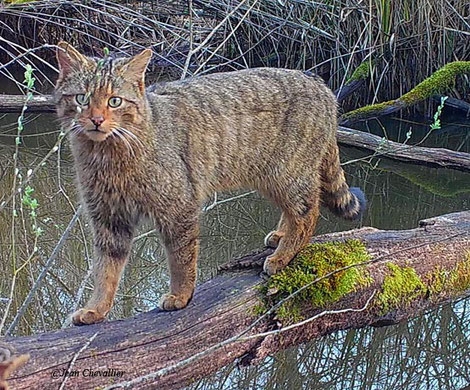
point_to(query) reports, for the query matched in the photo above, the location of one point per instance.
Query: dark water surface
(429, 352)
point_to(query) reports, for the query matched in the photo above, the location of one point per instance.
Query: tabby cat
(160, 152)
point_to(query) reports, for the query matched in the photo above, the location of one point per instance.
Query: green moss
(438, 83)
(361, 72)
(368, 111)
(400, 288)
(258, 310)
(449, 282)
(436, 280)
(461, 278)
(290, 312)
(314, 261)
(403, 285)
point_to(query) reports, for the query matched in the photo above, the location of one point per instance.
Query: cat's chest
(106, 181)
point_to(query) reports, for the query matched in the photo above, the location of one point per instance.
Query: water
(427, 352)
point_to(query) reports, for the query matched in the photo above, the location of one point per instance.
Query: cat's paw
(173, 302)
(273, 264)
(87, 317)
(272, 239)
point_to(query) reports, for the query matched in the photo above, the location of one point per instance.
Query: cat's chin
(96, 135)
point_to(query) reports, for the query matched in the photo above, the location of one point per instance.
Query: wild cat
(160, 152)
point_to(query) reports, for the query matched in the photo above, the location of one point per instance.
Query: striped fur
(349, 203)
(164, 150)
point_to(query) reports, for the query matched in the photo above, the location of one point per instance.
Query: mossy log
(417, 154)
(437, 181)
(413, 270)
(438, 83)
(45, 103)
(356, 81)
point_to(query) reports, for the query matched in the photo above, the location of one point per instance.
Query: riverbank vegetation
(400, 52)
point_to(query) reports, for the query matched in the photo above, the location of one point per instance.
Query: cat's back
(257, 88)
(235, 128)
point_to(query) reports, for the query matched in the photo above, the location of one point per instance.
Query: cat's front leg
(181, 244)
(112, 247)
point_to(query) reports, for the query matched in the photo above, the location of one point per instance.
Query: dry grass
(408, 39)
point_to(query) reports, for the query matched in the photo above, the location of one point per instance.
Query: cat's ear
(69, 58)
(134, 69)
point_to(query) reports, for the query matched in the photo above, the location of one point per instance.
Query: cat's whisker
(74, 129)
(132, 135)
(123, 138)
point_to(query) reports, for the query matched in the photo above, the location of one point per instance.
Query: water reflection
(454, 134)
(428, 351)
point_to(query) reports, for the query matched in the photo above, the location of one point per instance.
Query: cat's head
(101, 97)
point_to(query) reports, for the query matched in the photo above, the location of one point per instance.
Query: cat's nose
(97, 120)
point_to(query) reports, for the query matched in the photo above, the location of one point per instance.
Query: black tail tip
(357, 192)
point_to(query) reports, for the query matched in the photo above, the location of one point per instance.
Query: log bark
(357, 80)
(222, 308)
(348, 89)
(417, 154)
(14, 103)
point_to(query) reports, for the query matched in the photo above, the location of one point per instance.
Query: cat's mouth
(96, 130)
(97, 134)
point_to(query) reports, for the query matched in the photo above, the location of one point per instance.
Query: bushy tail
(349, 203)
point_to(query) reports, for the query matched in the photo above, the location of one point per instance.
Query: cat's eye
(82, 99)
(115, 102)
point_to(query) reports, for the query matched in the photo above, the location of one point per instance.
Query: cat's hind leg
(298, 224)
(272, 238)
(182, 246)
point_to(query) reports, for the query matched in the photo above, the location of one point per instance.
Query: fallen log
(356, 81)
(441, 182)
(456, 104)
(141, 352)
(416, 154)
(438, 83)
(15, 103)
(45, 103)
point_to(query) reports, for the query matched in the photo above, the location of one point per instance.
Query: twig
(43, 273)
(216, 202)
(54, 149)
(227, 37)
(313, 318)
(208, 38)
(77, 298)
(72, 363)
